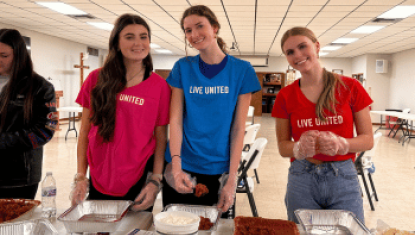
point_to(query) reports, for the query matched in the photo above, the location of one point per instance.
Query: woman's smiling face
(301, 52)
(199, 32)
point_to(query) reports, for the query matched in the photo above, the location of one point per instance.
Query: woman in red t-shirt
(315, 117)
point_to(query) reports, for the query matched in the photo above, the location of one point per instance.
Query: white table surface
(407, 116)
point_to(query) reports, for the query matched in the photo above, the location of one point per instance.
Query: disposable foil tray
(28, 227)
(95, 216)
(25, 216)
(210, 212)
(331, 222)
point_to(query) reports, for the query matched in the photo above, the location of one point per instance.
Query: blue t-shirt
(211, 70)
(209, 110)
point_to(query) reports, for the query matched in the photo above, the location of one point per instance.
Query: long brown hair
(327, 99)
(204, 11)
(112, 78)
(21, 81)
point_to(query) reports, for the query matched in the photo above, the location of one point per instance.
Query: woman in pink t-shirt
(124, 121)
(315, 117)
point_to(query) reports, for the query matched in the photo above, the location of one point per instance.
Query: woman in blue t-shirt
(211, 93)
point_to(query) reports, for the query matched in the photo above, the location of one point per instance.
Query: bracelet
(156, 183)
(157, 177)
(175, 156)
(79, 177)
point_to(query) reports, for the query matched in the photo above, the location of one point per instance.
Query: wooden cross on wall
(82, 67)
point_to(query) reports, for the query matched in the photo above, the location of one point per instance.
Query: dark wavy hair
(204, 11)
(112, 78)
(21, 81)
(327, 99)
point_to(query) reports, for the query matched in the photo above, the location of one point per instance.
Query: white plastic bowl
(165, 228)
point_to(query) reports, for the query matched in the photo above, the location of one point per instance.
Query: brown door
(164, 73)
(256, 99)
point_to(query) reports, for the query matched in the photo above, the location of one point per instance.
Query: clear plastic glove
(331, 144)
(146, 198)
(306, 146)
(227, 192)
(80, 191)
(177, 178)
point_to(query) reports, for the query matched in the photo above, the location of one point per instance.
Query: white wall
(55, 58)
(378, 83)
(275, 64)
(359, 65)
(402, 80)
(164, 61)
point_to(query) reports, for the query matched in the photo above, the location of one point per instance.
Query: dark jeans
(171, 196)
(25, 192)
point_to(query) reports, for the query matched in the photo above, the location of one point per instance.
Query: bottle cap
(49, 173)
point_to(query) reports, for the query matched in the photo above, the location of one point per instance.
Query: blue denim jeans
(332, 185)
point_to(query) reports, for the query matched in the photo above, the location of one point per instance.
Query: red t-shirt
(117, 165)
(292, 104)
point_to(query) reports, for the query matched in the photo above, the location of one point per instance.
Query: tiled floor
(394, 178)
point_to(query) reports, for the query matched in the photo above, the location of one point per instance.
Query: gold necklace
(143, 69)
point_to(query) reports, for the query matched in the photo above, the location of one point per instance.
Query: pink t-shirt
(292, 104)
(117, 165)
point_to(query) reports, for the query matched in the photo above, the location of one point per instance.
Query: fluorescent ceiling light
(62, 8)
(153, 45)
(399, 12)
(368, 28)
(345, 40)
(102, 25)
(330, 48)
(323, 53)
(163, 51)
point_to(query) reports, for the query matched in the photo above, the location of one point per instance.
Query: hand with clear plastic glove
(331, 144)
(177, 178)
(146, 198)
(227, 192)
(80, 189)
(307, 145)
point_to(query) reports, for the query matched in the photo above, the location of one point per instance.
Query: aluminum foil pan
(332, 222)
(28, 214)
(210, 212)
(95, 216)
(28, 227)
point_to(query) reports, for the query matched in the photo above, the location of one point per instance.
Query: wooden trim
(272, 83)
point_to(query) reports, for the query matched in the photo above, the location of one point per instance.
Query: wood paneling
(256, 99)
(267, 97)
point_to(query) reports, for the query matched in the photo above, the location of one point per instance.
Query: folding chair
(253, 157)
(251, 115)
(249, 138)
(250, 134)
(363, 163)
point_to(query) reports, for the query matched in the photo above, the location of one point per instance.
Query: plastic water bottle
(372, 168)
(49, 196)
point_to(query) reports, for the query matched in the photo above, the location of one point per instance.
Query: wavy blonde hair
(327, 99)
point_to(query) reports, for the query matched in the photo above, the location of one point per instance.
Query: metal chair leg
(256, 176)
(252, 203)
(250, 198)
(367, 192)
(373, 187)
